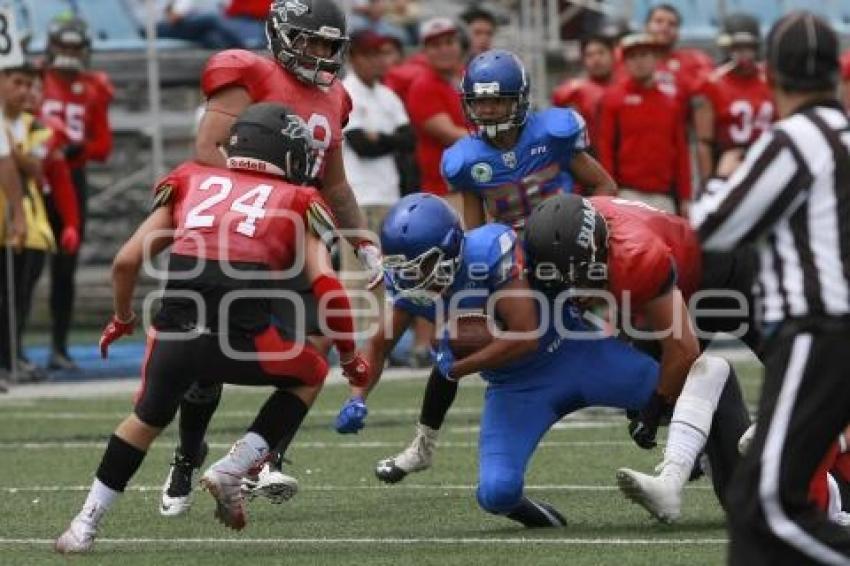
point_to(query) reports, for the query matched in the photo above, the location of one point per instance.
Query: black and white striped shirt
(791, 196)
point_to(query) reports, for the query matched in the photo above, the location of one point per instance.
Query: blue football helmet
(496, 74)
(421, 239)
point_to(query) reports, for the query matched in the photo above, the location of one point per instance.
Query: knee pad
(203, 394)
(701, 393)
(499, 495)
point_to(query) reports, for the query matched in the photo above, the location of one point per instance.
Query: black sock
(440, 393)
(120, 462)
(534, 514)
(196, 411)
(279, 418)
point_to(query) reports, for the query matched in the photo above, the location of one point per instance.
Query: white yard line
(370, 487)
(71, 445)
(388, 541)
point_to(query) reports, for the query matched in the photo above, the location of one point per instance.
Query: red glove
(69, 241)
(114, 330)
(356, 369)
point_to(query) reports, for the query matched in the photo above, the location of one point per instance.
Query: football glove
(644, 427)
(370, 257)
(444, 359)
(352, 416)
(69, 240)
(356, 369)
(114, 330)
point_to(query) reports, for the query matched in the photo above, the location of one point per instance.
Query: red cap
(365, 41)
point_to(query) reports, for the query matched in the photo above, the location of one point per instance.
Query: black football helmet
(293, 24)
(566, 240)
(739, 29)
(68, 44)
(269, 138)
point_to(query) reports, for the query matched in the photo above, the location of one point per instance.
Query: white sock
(248, 451)
(684, 444)
(98, 502)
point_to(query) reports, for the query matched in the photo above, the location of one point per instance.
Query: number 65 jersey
(510, 183)
(232, 228)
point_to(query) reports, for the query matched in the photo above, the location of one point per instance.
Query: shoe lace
(180, 483)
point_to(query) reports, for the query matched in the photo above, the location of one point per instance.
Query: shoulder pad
(233, 67)
(102, 84)
(453, 161)
(167, 188)
(562, 122)
(489, 244)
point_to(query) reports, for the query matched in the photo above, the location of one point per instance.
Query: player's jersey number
(320, 128)
(71, 114)
(251, 204)
(747, 120)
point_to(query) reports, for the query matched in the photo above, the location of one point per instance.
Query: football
(469, 333)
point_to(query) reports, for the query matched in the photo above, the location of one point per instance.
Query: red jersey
(236, 215)
(642, 139)
(682, 71)
(430, 95)
(81, 105)
(646, 249)
(325, 110)
(400, 77)
(584, 95)
(743, 107)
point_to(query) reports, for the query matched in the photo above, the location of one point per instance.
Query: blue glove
(443, 357)
(352, 416)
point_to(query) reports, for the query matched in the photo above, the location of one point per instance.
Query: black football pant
(805, 403)
(63, 267)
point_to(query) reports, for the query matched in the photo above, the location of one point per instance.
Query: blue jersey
(491, 257)
(510, 183)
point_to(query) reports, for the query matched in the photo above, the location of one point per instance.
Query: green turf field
(343, 515)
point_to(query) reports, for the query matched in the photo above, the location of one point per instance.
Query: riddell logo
(248, 164)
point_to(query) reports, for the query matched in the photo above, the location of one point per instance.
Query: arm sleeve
(770, 184)
(98, 144)
(337, 312)
(58, 176)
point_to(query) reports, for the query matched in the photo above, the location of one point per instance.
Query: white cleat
(416, 457)
(177, 490)
(226, 488)
(270, 483)
(660, 495)
(78, 538)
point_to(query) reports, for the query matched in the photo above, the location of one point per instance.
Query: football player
(739, 104)
(233, 231)
(537, 369)
(307, 43)
(516, 159)
(647, 264)
(78, 98)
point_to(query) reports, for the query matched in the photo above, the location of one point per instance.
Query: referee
(791, 196)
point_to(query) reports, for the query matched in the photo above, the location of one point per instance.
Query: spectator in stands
(377, 127)
(845, 79)
(247, 19)
(679, 69)
(584, 93)
(642, 132)
(406, 15)
(370, 14)
(433, 101)
(183, 19)
(480, 28)
(79, 99)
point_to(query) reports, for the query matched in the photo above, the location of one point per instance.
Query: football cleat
(224, 482)
(660, 495)
(79, 537)
(415, 458)
(270, 483)
(177, 489)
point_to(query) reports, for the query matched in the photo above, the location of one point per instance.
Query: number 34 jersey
(510, 183)
(239, 216)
